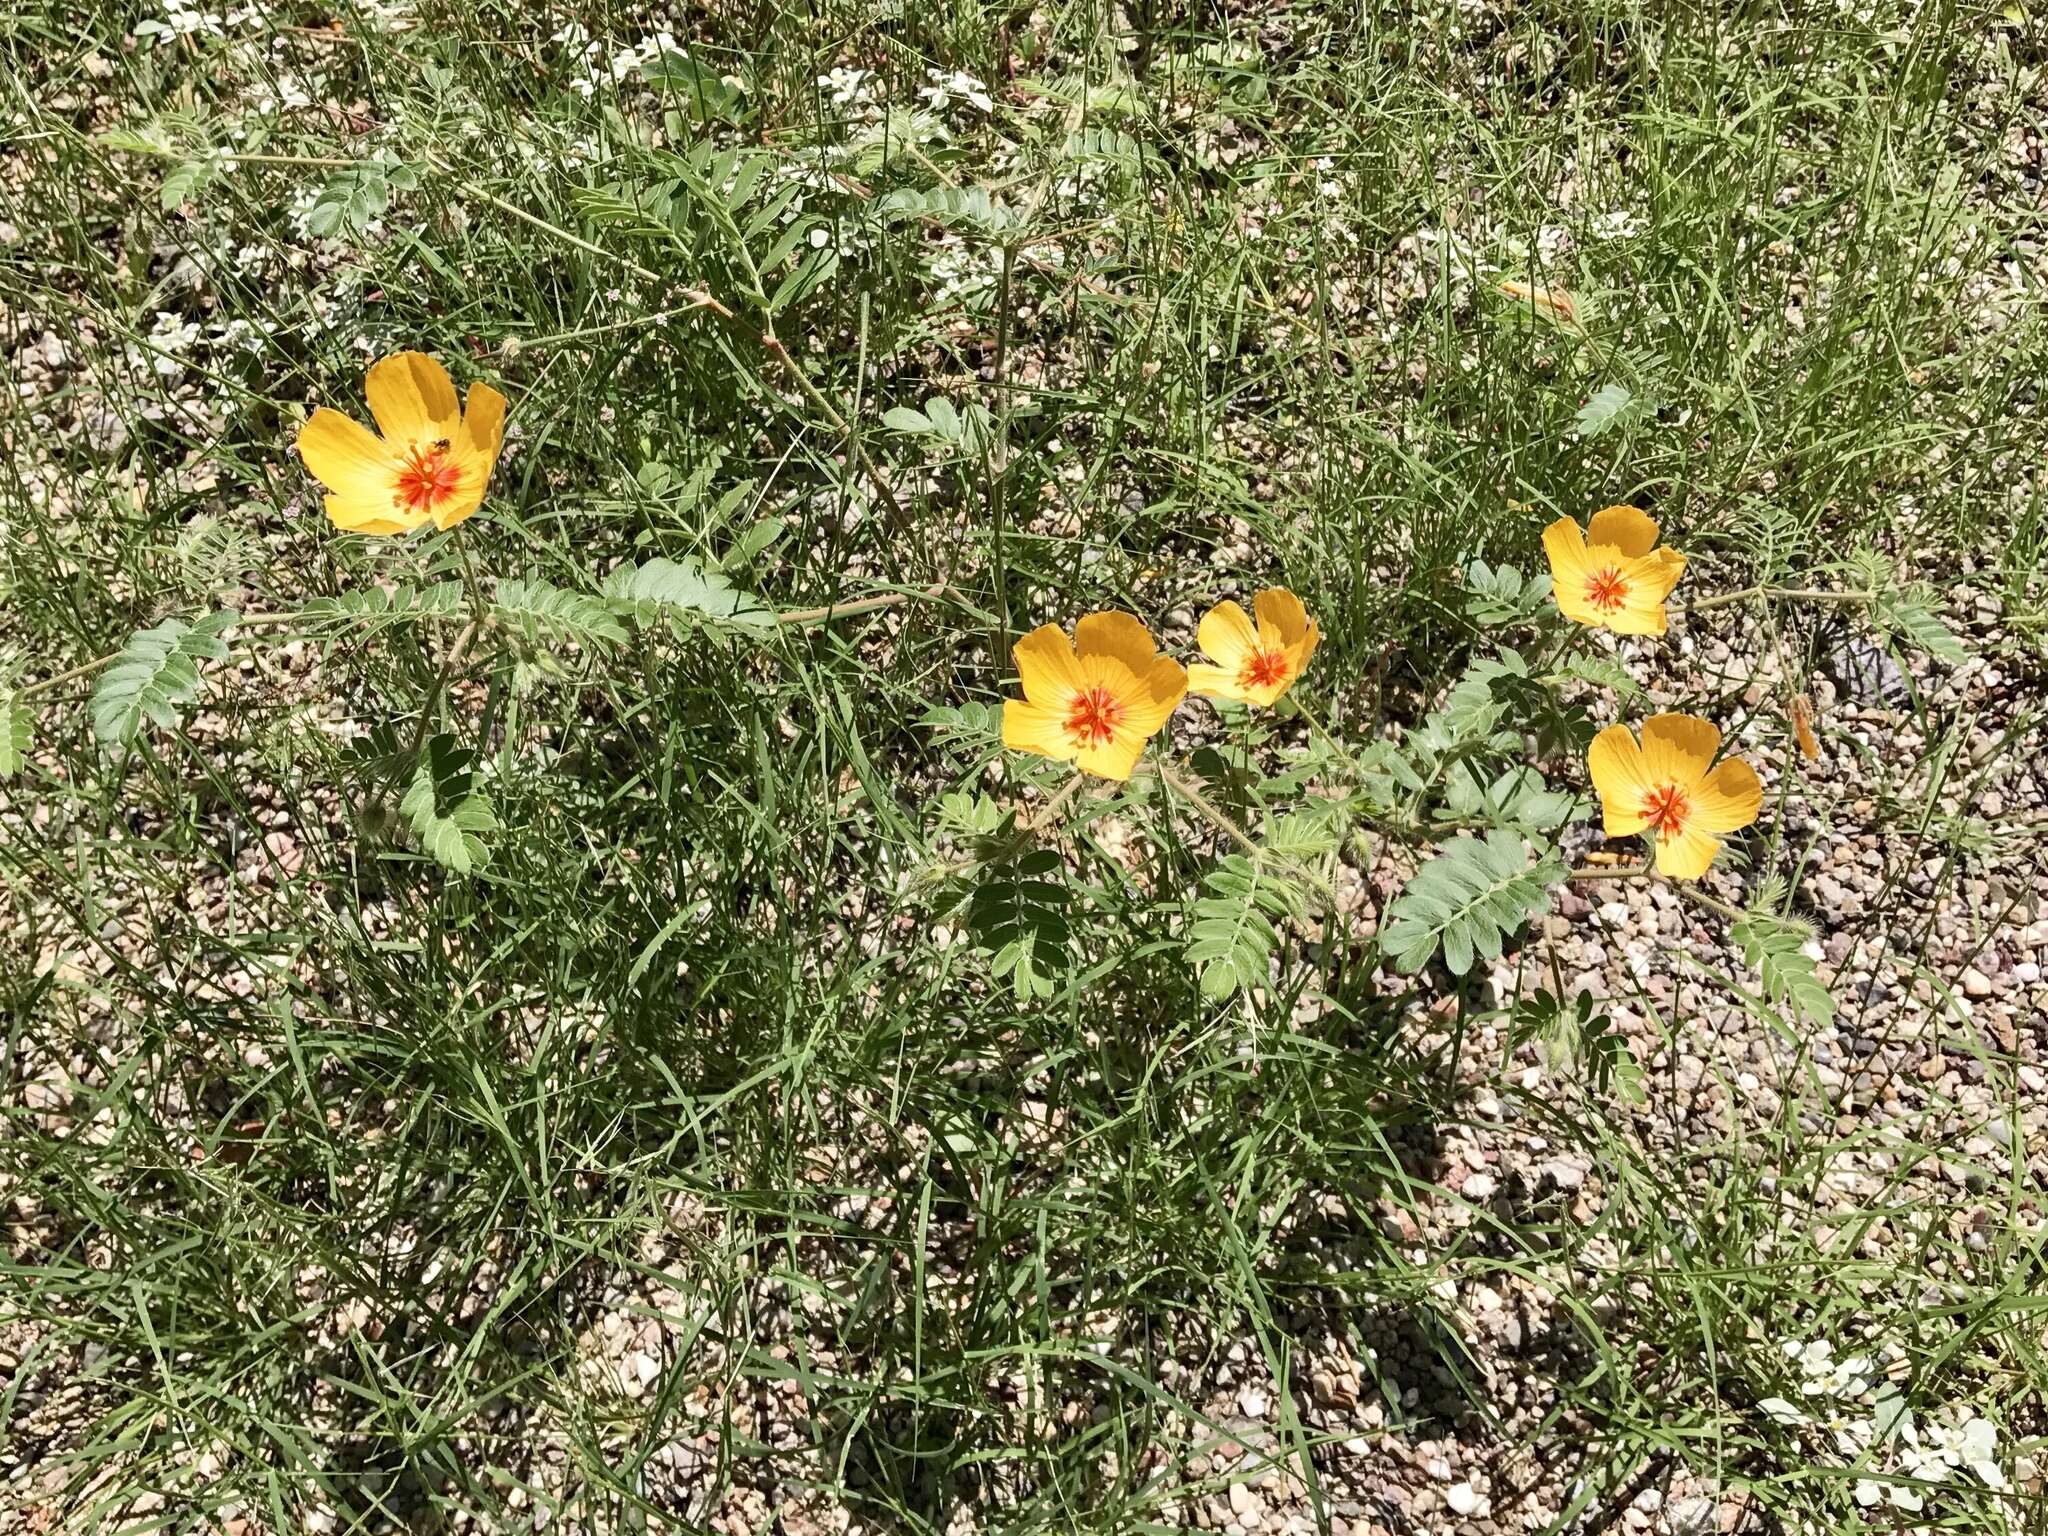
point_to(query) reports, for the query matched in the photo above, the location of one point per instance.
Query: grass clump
(575, 1016)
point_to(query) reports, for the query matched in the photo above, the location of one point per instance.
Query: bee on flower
(1670, 787)
(1254, 662)
(1612, 575)
(431, 462)
(1093, 701)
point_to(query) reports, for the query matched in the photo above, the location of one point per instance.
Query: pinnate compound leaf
(149, 139)
(17, 726)
(541, 613)
(683, 585)
(183, 182)
(1018, 917)
(1467, 900)
(1775, 948)
(365, 610)
(1232, 936)
(448, 813)
(1602, 670)
(1502, 594)
(1611, 405)
(156, 672)
(1909, 617)
(1310, 832)
(1519, 797)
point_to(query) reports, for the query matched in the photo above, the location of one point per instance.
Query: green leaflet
(157, 671)
(1467, 900)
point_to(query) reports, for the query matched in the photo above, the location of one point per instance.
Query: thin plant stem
(1648, 871)
(860, 605)
(1624, 872)
(287, 617)
(1775, 594)
(1190, 792)
(1171, 776)
(100, 663)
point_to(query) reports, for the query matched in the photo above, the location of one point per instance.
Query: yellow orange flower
(430, 465)
(1612, 576)
(1802, 727)
(1096, 701)
(1665, 787)
(1255, 664)
(1554, 303)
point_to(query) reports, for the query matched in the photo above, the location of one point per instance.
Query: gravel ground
(1939, 1045)
(1924, 825)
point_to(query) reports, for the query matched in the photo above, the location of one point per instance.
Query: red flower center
(1667, 810)
(1094, 715)
(1263, 669)
(426, 479)
(1606, 589)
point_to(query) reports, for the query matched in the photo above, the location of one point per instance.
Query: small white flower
(846, 85)
(940, 90)
(1869, 1493)
(1964, 1442)
(1827, 1375)
(1852, 1436)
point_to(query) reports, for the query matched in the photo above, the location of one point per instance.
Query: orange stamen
(1606, 589)
(1263, 669)
(1093, 717)
(1667, 810)
(426, 479)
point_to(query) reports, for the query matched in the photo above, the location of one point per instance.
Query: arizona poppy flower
(1612, 576)
(1096, 701)
(1255, 663)
(1670, 786)
(1802, 727)
(431, 463)
(1552, 303)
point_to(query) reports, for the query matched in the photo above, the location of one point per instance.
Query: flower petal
(1267, 695)
(468, 493)
(1282, 619)
(1226, 636)
(1115, 636)
(1687, 856)
(1215, 682)
(1566, 547)
(1154, 695)
(1728, 799)
(1305, 648)
(1115, 758)
(374, 515)
(347, 457)
(483, 423)
(1637, 616)
(1621, 780)
(413, 399)
(1032, 728)
(1046, 665)
(1678, 748)
(1629, 529)
(1673, 563)
(1650, 580)
(1570, 568)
